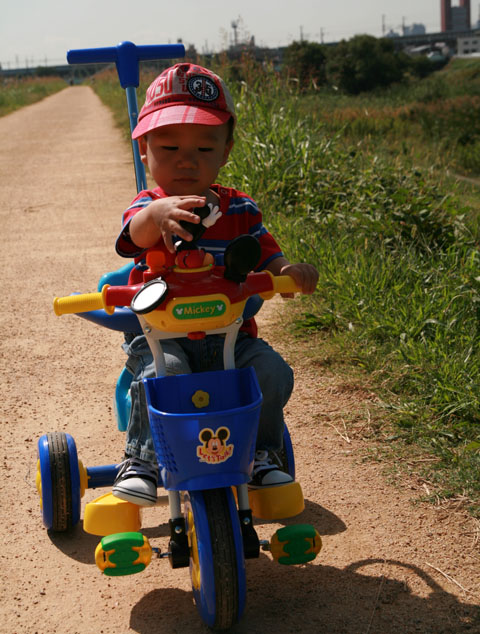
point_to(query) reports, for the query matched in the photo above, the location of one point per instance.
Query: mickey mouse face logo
(203, 88)
(214, 448)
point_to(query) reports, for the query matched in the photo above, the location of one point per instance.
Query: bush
(306, 61)
(364, 63)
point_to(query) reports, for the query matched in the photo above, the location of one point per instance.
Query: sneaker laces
(135, 467)
(263, 462)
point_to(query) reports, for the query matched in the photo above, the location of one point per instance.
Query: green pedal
(123, 554)
(297, 544)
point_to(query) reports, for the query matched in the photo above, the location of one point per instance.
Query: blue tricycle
(204, 425)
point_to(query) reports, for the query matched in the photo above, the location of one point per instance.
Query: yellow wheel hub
(38, 483)
(194, 560)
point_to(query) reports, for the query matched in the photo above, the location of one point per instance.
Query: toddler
(185, 135)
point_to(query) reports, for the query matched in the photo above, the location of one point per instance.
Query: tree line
(360, 64)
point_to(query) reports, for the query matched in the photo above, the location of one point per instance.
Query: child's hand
(161, 219)
(305, 275)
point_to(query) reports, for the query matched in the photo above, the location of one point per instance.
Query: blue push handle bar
(126, 56)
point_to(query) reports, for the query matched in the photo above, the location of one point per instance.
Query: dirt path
(387, 566)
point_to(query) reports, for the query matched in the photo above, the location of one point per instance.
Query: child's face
(185, 159)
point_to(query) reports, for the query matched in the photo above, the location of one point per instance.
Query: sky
(40, 32)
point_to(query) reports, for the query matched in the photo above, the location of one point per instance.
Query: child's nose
(187, 158)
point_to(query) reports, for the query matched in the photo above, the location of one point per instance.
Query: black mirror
(241, 257)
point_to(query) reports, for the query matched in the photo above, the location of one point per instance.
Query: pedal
(123, 554)
(297, 544)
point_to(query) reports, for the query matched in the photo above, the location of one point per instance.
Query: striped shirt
(240, 215)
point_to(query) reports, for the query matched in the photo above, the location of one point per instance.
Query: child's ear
(142, 146)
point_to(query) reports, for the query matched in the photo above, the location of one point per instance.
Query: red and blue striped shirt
(240, 215)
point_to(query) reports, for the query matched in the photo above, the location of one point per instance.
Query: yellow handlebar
(285, 284)
(281, 284)
(96, 301)
(82, 303)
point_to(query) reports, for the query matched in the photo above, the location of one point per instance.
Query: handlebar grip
(280, 284)
(92, 55)
(82, 303)
(160, 51)
(285, 284)
(126, 56)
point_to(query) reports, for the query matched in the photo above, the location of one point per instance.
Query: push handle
(126, 56)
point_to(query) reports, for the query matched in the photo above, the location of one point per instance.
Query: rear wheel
(217, 566)
(58, 481)
(286, 455)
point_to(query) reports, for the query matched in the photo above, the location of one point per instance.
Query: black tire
(224, 558)
(62, 503)
(220, 572)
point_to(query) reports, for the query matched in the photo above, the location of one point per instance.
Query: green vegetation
(357, 185)
(16, 93)
(360, 64)
(107, 86)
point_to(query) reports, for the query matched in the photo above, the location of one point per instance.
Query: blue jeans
(183, 356)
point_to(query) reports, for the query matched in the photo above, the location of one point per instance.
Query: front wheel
(58, 481)
(217, 566)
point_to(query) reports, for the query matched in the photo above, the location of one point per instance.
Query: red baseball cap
(185, 93)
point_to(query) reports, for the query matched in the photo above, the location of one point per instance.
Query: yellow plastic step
(278, 502)
(107, 514)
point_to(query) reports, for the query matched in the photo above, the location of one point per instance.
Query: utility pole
(235, 36)
(383, 25)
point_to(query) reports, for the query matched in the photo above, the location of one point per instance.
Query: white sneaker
(267, 473)
(136, 482)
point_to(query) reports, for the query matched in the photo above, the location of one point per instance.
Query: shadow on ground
(316, 598)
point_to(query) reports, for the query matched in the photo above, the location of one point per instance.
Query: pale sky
(35, 32)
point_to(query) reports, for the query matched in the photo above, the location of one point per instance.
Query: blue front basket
(204, 427)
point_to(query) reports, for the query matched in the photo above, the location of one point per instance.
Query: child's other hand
(161, 219)
(305, 275)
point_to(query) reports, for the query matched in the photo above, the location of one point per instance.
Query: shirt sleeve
(124, 245)
(252, 216)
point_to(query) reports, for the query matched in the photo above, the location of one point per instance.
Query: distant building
(469, 45)
(392, 33)
(455, 18)
(414, 29)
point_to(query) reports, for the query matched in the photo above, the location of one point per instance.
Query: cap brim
(173, 115)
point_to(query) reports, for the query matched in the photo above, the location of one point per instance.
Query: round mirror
(149, 296)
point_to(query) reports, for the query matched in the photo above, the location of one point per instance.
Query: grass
(435, 119)
(358, 187)
(16, 93)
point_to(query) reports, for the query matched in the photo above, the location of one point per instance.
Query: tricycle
(204, 428)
